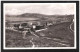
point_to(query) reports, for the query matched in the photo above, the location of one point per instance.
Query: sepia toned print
(39, 26)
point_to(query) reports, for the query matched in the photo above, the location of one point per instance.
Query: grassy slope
(59, 31)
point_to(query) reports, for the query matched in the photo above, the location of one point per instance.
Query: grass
(58, 31)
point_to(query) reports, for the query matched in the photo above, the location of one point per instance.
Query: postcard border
(77, 17)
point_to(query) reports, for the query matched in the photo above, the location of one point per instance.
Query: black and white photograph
(39, 26)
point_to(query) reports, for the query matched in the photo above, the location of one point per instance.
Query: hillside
(36, 16)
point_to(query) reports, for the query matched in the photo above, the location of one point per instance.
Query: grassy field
(58, 35)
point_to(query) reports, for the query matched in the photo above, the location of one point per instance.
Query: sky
(42, 8)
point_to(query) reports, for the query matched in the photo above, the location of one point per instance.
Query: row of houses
(29, 25)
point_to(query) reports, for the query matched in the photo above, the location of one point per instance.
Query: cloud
(43, 8)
